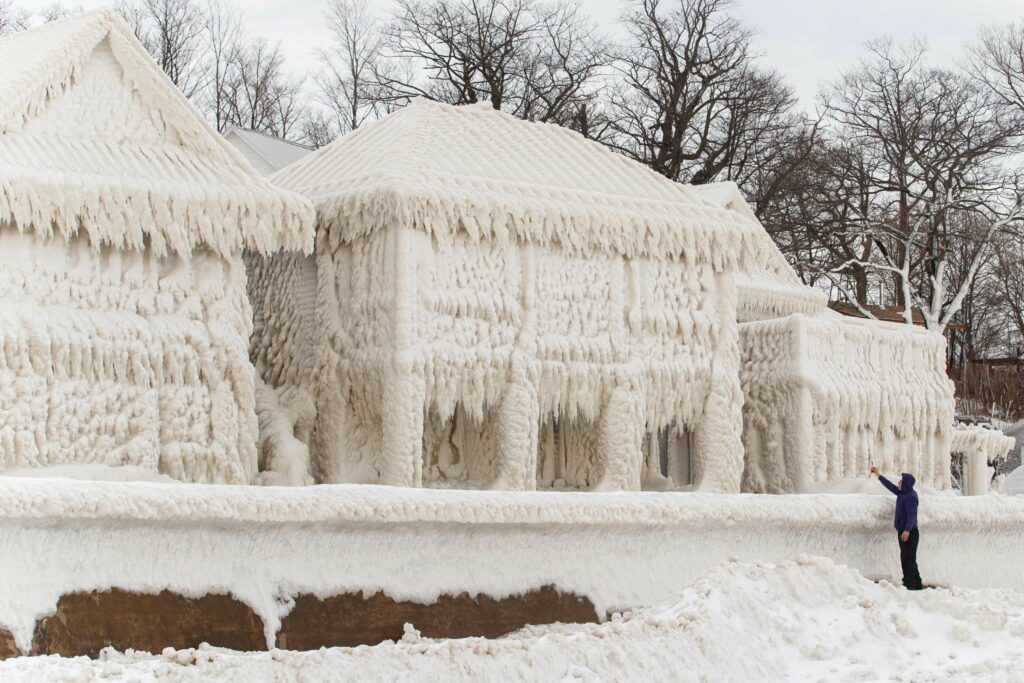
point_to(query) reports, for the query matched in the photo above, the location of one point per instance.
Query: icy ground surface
(804, 620)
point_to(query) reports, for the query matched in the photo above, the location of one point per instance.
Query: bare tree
(12, 18)
(678, 72)
(57, 10)
(934, 141)
(535, 62)
(258, 95)
(562, 69)
(346, 83)
(998, 62)
(222, 26)
(172, 31)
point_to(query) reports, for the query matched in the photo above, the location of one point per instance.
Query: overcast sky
(809, 41)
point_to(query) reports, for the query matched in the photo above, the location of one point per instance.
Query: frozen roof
(769, 288)
(471, 169)
(95, 138)
(267, 154)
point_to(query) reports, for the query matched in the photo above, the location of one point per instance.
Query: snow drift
(807, 619)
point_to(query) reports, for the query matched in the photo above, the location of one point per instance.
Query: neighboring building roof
(94, 137)
(892, 314)
(266, 153)
(770, 289)
(443, 169)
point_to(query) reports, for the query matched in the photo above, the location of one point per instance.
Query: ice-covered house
(488, 290)
(124, 322)
(501, 303)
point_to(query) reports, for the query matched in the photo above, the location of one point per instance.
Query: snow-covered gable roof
(266, 153)
(95, 138)
(443, 169)
(769, 288)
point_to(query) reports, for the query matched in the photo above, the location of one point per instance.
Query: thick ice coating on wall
(122, 358)
(827, 396)
(125, 322)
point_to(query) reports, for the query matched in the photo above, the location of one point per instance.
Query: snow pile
(264, 545)
(808, 619)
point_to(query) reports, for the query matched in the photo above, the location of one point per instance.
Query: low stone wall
(249, 567)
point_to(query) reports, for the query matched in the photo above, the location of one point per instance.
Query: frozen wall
(429, 353)
(619, 550)
(826, 396)
(122, 358)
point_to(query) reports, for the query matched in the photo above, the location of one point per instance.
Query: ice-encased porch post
(718, 465)
(403, 401)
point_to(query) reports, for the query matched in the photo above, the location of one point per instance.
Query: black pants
(908, 558)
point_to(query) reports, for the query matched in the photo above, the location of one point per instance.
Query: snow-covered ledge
(264, 545)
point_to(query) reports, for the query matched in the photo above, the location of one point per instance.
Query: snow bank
(264, 545)
(808, 619)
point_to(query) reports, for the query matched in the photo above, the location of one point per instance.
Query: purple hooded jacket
(906, 502)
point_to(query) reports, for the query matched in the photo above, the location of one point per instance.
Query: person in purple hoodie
(906, 525)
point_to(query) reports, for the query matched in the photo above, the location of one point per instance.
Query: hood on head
(908, 482)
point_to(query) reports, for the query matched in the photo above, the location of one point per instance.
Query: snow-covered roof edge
(127, 213)
(578, 221)
(770, 288)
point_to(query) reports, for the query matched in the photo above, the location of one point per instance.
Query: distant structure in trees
(266, 153)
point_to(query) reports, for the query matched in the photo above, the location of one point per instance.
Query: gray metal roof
(266, 153)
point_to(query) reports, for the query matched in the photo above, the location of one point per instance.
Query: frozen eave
(444, 170)
(125, 188)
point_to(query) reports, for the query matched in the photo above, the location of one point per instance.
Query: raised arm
(888, 484)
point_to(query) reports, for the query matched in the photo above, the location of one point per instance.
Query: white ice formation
(124, 321)
(498, 303)
(981, 448)
(826, 396)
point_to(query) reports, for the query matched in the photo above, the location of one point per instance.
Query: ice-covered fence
(618, 550)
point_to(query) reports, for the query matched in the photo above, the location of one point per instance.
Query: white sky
(809, 41)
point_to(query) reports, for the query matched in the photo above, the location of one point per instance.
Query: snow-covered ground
(803, 620)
